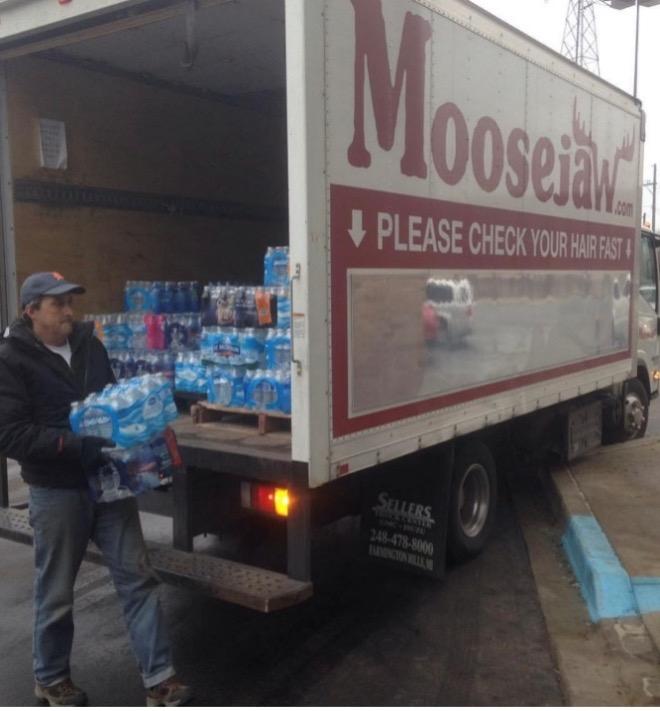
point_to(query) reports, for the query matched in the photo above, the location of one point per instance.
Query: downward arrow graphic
(356, 232)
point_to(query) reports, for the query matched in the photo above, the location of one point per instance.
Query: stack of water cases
(246, 341)
(232, 345)
(161, 320)
(135, 414)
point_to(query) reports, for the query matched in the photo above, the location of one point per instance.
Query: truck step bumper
(257, 588)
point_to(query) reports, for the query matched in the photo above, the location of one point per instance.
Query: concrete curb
(607, 588)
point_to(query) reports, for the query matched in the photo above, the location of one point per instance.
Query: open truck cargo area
(461, 207)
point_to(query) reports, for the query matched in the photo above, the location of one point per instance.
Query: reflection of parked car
(448, 310)
(620, 311)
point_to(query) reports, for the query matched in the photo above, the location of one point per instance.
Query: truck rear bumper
(256, 588)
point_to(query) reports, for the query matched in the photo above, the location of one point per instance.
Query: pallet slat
(265, 421)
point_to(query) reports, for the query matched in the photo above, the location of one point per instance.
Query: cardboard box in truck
(462, 207)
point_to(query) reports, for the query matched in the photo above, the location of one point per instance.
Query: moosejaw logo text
(571, 171)
(403, 510)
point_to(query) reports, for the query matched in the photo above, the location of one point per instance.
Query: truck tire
(635, 416)
(473, 502)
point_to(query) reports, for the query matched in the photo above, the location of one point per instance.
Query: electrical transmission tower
(580, 41)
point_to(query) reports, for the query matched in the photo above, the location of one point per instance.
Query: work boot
(64, 693)
(170, 692)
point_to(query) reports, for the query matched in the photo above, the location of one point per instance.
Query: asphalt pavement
(369, 636)
(491, 633)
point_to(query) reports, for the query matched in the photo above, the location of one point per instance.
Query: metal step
(257, 588)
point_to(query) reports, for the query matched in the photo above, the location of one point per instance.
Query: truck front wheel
(635, 411)
(473, 501)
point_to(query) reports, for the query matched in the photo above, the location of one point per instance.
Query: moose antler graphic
(579, 133)
(627, 149)
(601, 175)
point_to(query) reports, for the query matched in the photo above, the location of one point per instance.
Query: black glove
(91, 454)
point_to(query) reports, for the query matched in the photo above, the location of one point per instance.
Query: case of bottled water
(135, 414)
(276, 266)
(225, 386)
(130, 412)
(251, 342)
(190, 374)
(130, 472)
(261, 392)
(128, 364)
(162, 296)
(278, 349)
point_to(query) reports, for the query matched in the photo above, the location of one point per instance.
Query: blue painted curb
(647, 594)
(605, 585)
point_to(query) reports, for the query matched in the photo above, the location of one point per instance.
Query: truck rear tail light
(264, 498)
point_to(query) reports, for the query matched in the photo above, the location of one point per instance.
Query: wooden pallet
(265, 421)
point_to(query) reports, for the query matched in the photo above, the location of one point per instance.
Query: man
(47, 361)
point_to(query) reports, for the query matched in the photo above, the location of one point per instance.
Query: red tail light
(265, 498)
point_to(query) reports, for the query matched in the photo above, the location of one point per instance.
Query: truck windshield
(648, 283)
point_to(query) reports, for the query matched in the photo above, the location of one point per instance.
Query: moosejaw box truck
(462, 207)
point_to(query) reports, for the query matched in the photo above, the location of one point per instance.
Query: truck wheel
(635, 411)
(473, 502)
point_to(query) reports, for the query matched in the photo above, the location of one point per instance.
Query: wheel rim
(474, 500)
(634, 416)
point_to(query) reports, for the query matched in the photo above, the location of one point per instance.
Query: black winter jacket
(37, 388)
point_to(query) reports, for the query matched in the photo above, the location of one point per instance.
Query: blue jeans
(64, 520)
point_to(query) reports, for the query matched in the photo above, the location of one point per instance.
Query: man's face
(53, 319)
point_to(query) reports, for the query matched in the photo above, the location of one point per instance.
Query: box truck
(461, 206)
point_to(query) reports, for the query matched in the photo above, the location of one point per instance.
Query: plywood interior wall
(127, 135)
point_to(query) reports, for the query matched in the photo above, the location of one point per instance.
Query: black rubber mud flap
(405, 509)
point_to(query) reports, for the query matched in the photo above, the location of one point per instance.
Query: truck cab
(648, 347)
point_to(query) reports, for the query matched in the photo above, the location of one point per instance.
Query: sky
(545, 19)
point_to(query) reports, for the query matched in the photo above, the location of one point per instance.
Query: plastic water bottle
(220, 388)
(226, 387)
(283, 308)
(186, 372)
(195, 330)
(155, 288)
(268, 267)
(280, 262)
(177, 333)
(283, 353)
(225, 305)
(116, 364)
(251, 316)
(209, 313)
(137, 338)
(193, 297)
(240, 308)
(166, 295)
(182, 297)
(252, 346)
(261, 393)
(136, 296)
(155, 324)
(283, 378)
